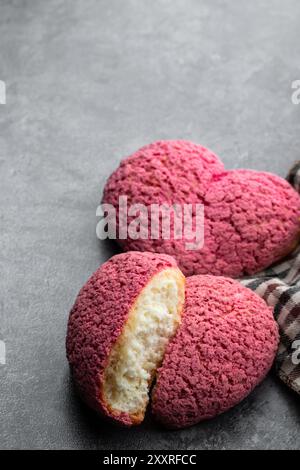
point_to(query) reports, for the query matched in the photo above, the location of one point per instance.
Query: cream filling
(139, 351)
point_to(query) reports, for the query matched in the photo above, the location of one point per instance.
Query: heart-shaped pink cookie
(251, 218)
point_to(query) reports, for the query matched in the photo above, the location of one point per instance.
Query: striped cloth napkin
(279, 286)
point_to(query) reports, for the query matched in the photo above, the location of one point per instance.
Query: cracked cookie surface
(224, 347)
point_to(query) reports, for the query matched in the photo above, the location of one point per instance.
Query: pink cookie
(118, 330)
(224, 347)
(251, 218)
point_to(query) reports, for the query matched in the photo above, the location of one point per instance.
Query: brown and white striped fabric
(279, 286)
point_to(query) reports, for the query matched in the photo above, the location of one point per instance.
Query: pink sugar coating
(251, 218)
(224, 347)
(164, 171)
(99, 315)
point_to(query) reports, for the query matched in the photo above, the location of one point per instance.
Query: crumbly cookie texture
(251, 218)
(224, 347)
(118, 331)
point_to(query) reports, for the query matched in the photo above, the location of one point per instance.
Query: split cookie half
(118, 331)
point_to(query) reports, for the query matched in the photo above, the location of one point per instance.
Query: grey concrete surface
(87, 83)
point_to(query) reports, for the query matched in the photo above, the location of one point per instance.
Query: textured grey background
(87, 83)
